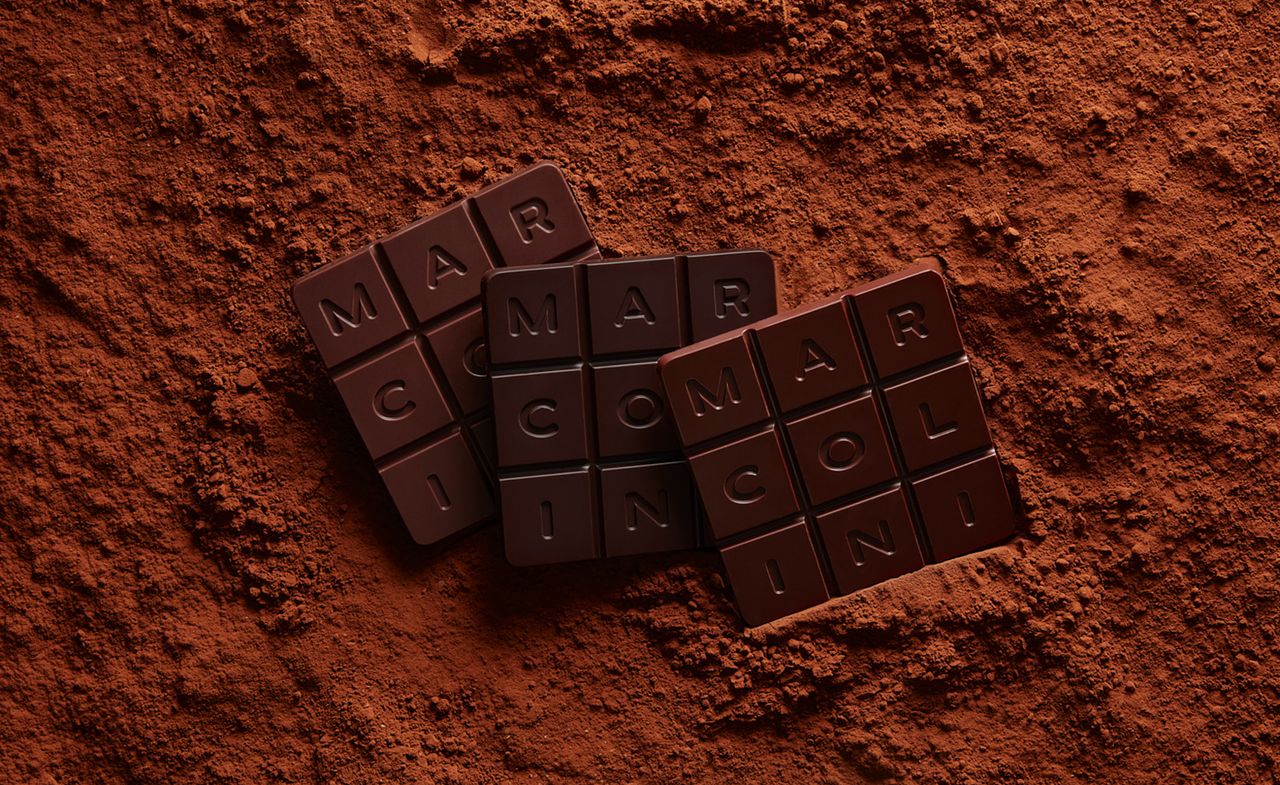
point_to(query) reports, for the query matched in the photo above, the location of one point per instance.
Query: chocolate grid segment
(400, 328)
(589, 463)
(839, 445)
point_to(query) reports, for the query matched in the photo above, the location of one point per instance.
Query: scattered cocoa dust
(203, 580)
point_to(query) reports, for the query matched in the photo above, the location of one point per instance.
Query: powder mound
(204, 581)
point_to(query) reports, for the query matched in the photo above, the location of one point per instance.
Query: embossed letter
(640, 409)
(532, 409)
(439, 264)
(385, 408)
(858, 538)
(732, 293)
(775, 576)
(966, 509)
(530, 215)
(905, 319)
(519, 319)
(932, 429)
(633, 307)
(813, 357)
(338, 318)
(475, 358)
(727, 392)
(637, 505)
(438, 492)
(842, 451)
(736, 490)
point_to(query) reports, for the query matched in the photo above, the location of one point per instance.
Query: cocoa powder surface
(203, 581)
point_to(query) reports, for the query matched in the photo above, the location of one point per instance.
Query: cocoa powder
(204, 581)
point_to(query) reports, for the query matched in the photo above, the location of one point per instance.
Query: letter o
(475, 358)
(842, 451)
(640, 409)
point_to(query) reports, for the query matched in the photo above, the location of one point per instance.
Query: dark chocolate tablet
(399, 326)
(838, 445)
(589, 463)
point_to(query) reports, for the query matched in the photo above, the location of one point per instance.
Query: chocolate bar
(839, 445)
(399, 326)
(589, 463)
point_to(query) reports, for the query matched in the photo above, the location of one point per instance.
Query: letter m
(519, 320)
(337, 319)
(727, 392)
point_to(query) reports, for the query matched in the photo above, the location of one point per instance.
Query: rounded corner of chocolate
(545, 163)
(665, 360)
(931, 266)
(514, 559)
(295, 294)
(424, 539)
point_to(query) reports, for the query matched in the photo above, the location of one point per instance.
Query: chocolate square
(744, 483)
(842, 449)
(532, 315)
(632, 416)
(870, 541)
(635, 306)
(647, 509)
(533, 217)
(348, 307)
(554, 511)
(393, 399)
(937, 416)
(775, 574)
(541, 416)
(811, 356)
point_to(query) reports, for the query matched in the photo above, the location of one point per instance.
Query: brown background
(201, 579)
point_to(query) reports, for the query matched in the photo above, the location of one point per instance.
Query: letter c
(547, 428)
(739, 489)
(385, 408)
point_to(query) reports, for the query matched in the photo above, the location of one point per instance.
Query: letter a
(813, 357)
(634, 306)
(439, 264)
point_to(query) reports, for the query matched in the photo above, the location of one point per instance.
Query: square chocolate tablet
(589, 463)
(400, 328)
(838, 445)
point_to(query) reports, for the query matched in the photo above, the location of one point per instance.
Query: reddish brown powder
(202, 580)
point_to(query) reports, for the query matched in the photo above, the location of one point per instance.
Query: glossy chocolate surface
(839, 445)
(400, 328)
(588, 458)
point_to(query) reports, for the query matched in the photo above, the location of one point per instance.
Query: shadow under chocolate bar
(589, 463)
(399, 326)
(839, 445)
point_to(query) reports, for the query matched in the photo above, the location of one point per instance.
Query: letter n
(637, 506)
(884, 544)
